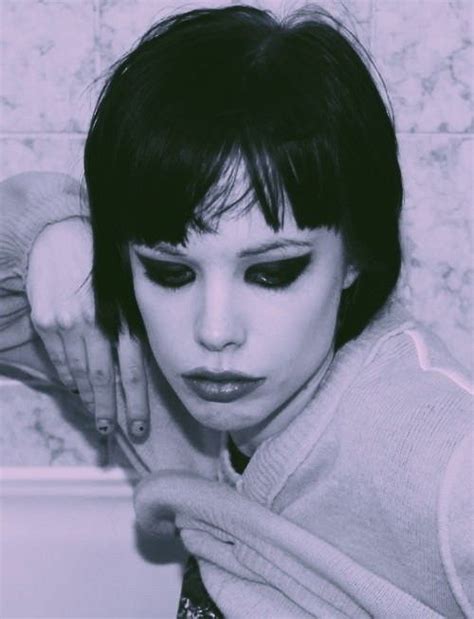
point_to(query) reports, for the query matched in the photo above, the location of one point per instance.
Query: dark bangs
(209, 92)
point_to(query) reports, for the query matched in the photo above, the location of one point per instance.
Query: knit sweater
(361, 507)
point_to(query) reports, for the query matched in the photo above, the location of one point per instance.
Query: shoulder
(409, 380)
(410, 405)
(413, 403)
(418, 410)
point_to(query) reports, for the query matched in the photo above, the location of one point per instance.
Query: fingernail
(138, 428)
(105, 426)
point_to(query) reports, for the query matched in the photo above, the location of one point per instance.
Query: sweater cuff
(33, 201)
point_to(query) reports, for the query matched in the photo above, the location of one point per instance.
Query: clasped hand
(59, 290)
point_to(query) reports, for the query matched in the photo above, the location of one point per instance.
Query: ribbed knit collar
(277, 457)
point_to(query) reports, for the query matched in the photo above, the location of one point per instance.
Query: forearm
(28, 203)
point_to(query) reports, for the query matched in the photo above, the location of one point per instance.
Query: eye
(169, 275)
(278, 274)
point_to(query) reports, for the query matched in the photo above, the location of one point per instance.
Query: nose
(217, 324)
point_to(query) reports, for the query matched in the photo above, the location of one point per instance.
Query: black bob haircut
(291, 99)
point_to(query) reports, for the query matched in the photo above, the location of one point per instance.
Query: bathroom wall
(52, 52)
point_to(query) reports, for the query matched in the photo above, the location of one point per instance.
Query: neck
(248, 439)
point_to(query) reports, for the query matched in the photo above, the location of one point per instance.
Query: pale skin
(59, 292)
(231, 314)
(224, 316)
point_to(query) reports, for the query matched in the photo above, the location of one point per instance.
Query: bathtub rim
(64, 481)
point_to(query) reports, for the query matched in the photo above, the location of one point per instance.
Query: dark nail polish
(138, 428)
(104, 426)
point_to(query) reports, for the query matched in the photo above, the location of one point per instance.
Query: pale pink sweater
(362, 507)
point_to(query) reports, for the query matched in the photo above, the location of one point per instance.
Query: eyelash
(276, 275)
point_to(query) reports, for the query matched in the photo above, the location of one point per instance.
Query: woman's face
(243, 300)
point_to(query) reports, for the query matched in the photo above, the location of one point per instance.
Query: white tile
(49, 153)
(437, 233)
(47, 65)
(424, 51)
(42, 428)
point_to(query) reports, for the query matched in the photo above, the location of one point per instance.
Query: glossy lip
(221, 386)
(218, 376)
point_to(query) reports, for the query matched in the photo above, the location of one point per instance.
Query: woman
(307, 438)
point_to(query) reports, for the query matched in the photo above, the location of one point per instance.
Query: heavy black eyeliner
(287, 269)
(155, 271)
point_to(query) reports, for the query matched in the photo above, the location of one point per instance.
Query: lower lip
(213, 391)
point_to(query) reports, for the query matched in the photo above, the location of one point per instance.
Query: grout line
(459, 134)
(82, 135)
(42, 134)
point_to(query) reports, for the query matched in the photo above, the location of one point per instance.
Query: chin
(222, 418)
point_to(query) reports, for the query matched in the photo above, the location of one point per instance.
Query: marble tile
(42, 426)
(424, 51)
(122, 22)
(437, 231)
(47, 64)
(50, 153)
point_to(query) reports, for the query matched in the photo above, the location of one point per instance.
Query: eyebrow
(263, 248)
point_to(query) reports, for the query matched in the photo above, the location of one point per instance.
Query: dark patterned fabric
(195, 602)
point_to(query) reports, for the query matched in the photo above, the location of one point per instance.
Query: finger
(102, 378)
(76, 356)
(134, 382)
(55, 349)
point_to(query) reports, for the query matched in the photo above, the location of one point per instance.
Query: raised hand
(59, 290)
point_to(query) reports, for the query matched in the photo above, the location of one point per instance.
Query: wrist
(31, 202)
(74, 225)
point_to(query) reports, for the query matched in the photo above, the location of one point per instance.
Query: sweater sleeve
(456, 524)
(28, 203)
(256, 562)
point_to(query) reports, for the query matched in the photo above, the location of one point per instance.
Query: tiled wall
(53, 50)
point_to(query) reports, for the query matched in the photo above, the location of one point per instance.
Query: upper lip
(219, 377)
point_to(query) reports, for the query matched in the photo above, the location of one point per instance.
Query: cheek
(164, 319)
(288, 329)
(305, 323)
